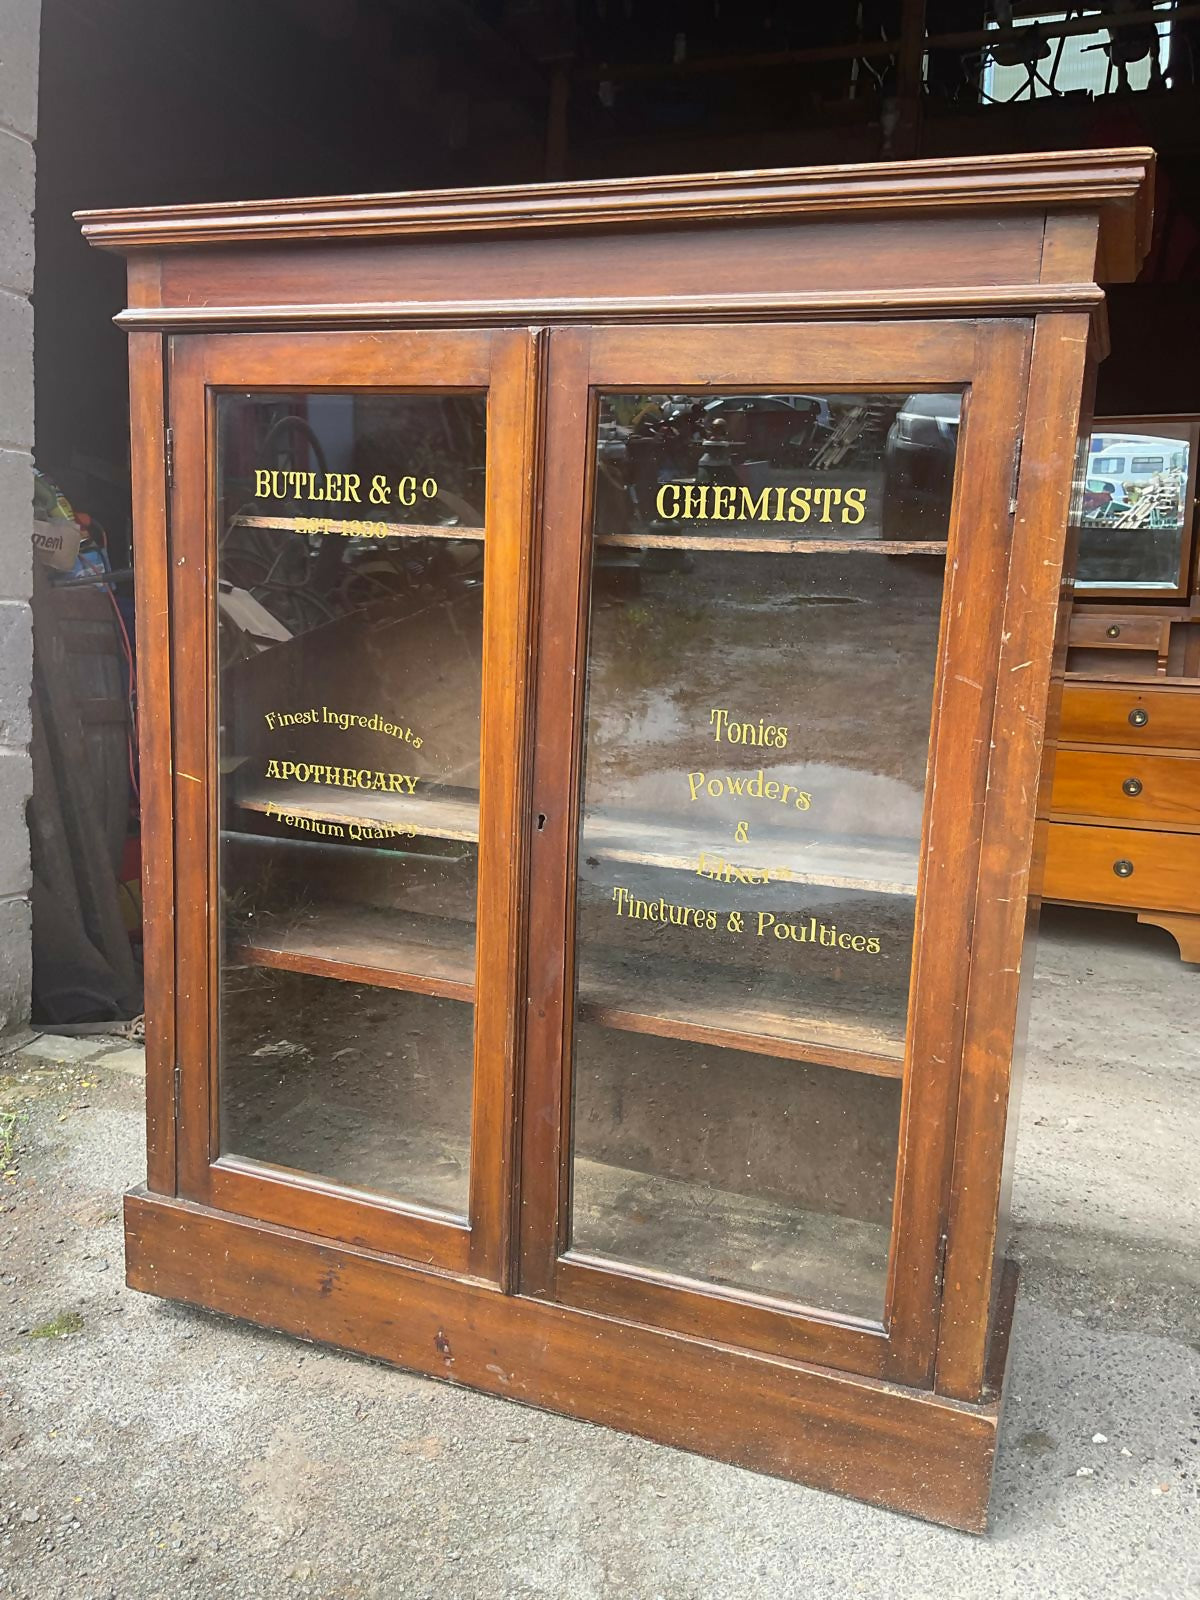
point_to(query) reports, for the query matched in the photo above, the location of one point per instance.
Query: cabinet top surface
(1117, 184)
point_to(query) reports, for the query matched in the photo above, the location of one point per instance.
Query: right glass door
(763, 581)
(765, 598)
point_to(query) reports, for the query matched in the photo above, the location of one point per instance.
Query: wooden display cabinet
(596, 647)
(1125, 803)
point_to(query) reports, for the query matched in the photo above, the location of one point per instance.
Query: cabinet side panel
(148, 446)
(1008, 856)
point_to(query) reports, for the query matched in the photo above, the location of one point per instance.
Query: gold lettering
(755, 510)
(826, 498)
(725, 502)
(335, 487)
(799, 509)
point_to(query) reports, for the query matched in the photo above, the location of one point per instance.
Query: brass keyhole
(1114, 632)
(1132, 786)
(1139, 717)
(1123, 868)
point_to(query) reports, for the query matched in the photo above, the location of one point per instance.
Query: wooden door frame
(502, 362)
(989, 359)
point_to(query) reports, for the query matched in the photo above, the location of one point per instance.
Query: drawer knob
(1139, 717)
(1114, 632)
(1123, 868)
(1132, 787)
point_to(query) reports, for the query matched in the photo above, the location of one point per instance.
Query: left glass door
(348, 532)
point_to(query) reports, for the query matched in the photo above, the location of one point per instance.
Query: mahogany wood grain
(741, 1320)
(905, 1449)
(957, 797)
(1032, 586)
(1115, 184)
(152, 596)
(794, 305)
(1069, 243)
(194, 800)
(281, 1195)
(556, 754)
(705, 263)
(500, 960)
(902, 356)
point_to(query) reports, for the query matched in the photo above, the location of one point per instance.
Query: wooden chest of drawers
(1125, 803)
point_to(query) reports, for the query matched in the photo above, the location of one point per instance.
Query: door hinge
(1016, 474)
(178, 1077)
(943, 1243)
(170, 453)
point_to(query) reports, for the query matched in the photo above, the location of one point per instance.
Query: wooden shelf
(353, 528)
(713, 1235)
(772, 546)
(732, 1008)
(431, 815)
(366, 944)
(873, 867)
(877, 867)
(400, 949)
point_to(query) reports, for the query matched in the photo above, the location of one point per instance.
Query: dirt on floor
(148, 1450)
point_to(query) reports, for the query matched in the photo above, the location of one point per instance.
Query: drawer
(1167, 719)
(1134, 788)
(1139, 630)
(1157, 871)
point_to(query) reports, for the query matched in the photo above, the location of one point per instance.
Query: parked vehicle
(919, 457)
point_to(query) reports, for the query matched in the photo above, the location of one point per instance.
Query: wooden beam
(905, 141)
(871, 49)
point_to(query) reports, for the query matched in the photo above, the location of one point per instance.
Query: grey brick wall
(19, 23)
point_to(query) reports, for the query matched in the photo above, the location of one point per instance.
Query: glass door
(765, 811)
(348, 535)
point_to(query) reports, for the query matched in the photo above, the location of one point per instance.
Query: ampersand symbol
(734, 922)
(742, 832)
(379, 490)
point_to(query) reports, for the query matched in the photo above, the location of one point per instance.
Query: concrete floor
(147, 1450)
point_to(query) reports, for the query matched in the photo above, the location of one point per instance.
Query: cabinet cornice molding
(1116, 183)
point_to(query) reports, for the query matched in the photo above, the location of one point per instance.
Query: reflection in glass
(1136, 506)
(800, 466)
(759, 688)
(349, 643)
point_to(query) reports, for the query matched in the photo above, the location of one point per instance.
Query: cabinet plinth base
(907, 1450)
